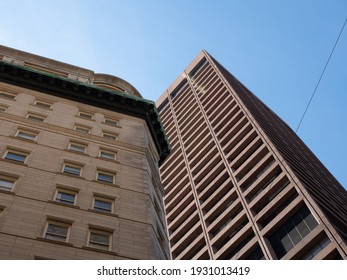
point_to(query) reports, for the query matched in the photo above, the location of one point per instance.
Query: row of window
(47, 105)
(65, 195)
(73, 145)
(78, 127)
(60, 231)
(68, 167)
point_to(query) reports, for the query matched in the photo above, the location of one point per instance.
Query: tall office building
(79, 154)
(239, 183)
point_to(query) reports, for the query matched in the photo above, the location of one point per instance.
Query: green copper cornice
(89, 94)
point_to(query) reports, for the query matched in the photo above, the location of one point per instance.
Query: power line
(320, 78)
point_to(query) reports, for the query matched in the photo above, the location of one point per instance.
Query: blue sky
(276, 48)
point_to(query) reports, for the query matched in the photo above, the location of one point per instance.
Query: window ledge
(106, 183)
(107, 159)
(103, 213)
(13, 161)
(110, 125)
(23, 139)
(81, 118)
(44, 108)
(76, 152)
(99, 250)
(71, 175)
(55, 241)
(8, 192)
(63, 204)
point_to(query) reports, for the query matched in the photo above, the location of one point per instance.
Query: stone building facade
(79, 157)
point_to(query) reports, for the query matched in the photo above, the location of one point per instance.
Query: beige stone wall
(137, 223)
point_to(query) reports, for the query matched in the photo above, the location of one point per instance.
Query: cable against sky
(321, 76)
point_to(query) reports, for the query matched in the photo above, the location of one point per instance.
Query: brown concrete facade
(239, 183)
(77, 180)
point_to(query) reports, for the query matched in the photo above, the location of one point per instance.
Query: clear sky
(276, 48)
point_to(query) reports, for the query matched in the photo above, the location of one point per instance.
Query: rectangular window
(107, 155)
(85, 115)
(72, 169)
(103, 204)
(35, 117)
(28, 135)
(6, 183)
(43, 104)
(7, 95)
(99, 239)
(292, 231)
(111, 122)
(110, 136)
(65, 196)
(57, 231)
(16, 156)
(105, 177)
(77, 147)
(82, 129)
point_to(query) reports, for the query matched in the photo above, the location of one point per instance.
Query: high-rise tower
(79, 153)
(239, 183)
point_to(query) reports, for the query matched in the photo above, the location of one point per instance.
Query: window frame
(72, 165)
(105, 173)
(28, 133)
(65, 191)
(82, 129)
(113, 155)
(111, 121)
(59, 224)
(77, 144)
(8, 179)
(105, 200)
(95, 245)
(109, 136)
(7, 95)
(36, 117)
(16, 152)
(43, 104)
(85, 115)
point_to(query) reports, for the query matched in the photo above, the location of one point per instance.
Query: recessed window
(99, 239)
(107, 155)
(82, 129)
(85, 115)
(35, 117)
(292, 231)
(77, 147)
(16, 156)
(3, 108)
(111, 122)
(28, 135)
(103, 204)
(7, 95)
(43, 104)
(110, 136)
(65, 196)
(57, 231)
(6, 183)
(105, 177)
(72, 169)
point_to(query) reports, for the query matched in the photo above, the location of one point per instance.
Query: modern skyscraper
(79, 175)
(239, 183)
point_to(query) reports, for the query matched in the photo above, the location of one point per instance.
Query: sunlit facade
(239, 183)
